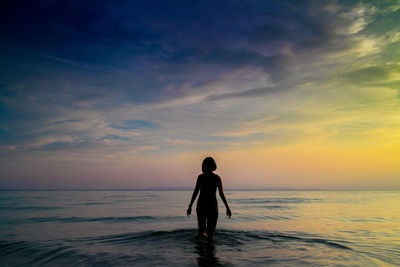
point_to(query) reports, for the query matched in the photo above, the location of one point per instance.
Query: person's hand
(228, 212)
(189, 211)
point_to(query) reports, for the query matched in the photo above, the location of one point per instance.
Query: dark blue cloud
(58, 146)
(247, 93)
(127, 46)
(135, 124)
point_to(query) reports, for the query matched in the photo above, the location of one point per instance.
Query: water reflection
(206, 254)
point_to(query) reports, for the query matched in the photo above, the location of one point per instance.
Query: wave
(291, 200)
(106, 219)
(142, 219)
(279, 237)
(91, 203)
(249, 218)
(179, 234)
(82, 251)
(222, 237)
(273, 207)
(269, 207)
(31, 208)
(40, 253)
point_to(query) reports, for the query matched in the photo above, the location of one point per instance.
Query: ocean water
(150, 228)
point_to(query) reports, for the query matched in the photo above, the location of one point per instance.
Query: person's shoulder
(217, 176)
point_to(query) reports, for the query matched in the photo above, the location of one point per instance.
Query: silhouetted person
(207, 205)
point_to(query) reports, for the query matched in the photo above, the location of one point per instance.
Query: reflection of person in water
(207, 206)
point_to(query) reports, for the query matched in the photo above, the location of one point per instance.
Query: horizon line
(191, 189)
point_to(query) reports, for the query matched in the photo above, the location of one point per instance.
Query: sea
(150, 228)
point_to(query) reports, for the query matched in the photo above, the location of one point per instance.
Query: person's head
(208, 165)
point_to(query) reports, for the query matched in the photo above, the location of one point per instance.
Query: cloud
(256, 92)
(369, 74)
(135, 124)
(375, 75)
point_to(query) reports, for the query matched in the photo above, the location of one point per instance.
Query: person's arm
(194, 195)
(222, 195)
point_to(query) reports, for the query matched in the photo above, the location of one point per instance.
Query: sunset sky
(134, 94)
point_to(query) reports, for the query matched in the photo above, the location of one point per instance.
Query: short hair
(208, 165)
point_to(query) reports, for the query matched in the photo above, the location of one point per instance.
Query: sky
(135, 94)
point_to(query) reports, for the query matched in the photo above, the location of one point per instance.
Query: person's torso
(208, 188)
